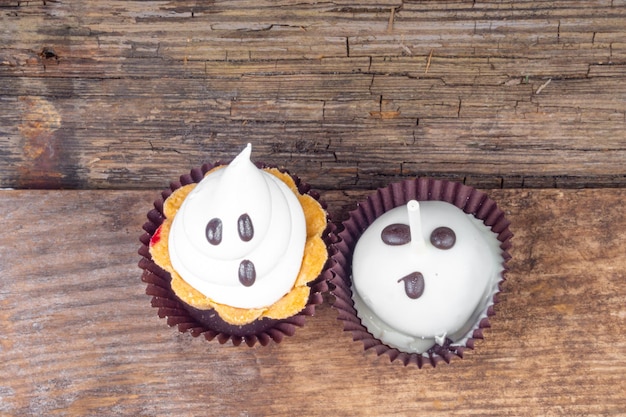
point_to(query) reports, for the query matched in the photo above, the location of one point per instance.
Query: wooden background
(103, 103)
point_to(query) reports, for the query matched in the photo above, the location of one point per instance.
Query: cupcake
(418, 267)
(236, 252)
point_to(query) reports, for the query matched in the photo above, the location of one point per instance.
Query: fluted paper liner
(207, 322)
(466, 198)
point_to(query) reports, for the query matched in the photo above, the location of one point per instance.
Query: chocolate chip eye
(247, 273)
(245, 227)
(214, 231)
(396, 234)
(443, 238)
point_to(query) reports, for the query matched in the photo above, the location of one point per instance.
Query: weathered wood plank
(359, 134)
(79, 336)
(131, 94)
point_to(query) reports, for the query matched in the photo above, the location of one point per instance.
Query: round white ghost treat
(239, 236)
(423, 273)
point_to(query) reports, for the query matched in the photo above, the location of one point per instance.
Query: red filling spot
(156, 237)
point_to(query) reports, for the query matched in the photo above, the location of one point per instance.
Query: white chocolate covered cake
(423, 274)
(418, 266)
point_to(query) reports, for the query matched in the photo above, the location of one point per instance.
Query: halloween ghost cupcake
(418, 267)
(236, 252)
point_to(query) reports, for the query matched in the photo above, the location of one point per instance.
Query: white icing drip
(276, 248)
(459, 282)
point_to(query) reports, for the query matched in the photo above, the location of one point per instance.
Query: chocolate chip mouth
(413, 285)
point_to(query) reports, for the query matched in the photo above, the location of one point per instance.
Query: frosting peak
(239, 236)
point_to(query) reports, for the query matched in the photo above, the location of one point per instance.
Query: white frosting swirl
(458, 283)
(275, 249)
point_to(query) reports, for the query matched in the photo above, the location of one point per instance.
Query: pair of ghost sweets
(243, 252)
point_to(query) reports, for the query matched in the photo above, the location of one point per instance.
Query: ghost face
(239, 236)
(431, 283)
(245, 231)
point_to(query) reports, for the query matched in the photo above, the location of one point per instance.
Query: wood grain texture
(117, 98)
(79, 336)
(129, 94)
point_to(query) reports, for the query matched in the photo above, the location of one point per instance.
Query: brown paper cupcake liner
(466, 198)
(207, 322)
